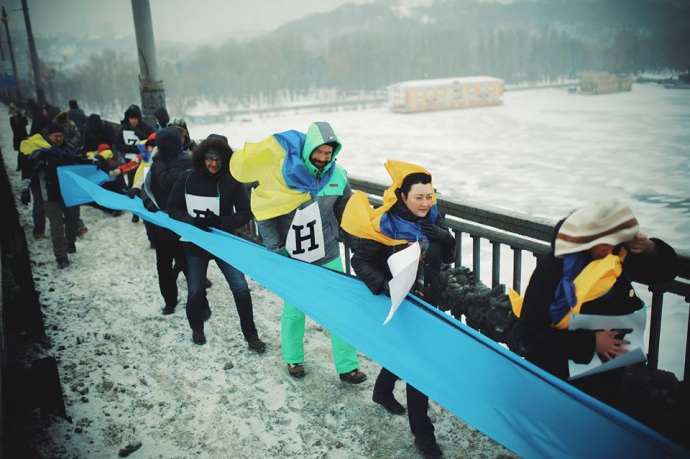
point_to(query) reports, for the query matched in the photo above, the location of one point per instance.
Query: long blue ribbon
(507, 398)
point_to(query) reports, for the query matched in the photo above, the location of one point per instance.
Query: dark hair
(413, 179)
(73, 104)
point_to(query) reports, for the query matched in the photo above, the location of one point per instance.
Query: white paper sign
(130, 137)
(196, 204)
(305, 236)
(403, 266)
(632, 324)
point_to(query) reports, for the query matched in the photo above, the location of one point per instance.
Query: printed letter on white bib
(305, 237)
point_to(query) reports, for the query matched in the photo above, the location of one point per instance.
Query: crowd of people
(304, 208)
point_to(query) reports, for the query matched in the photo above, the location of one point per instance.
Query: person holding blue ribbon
(598, 251)
(208, 196)
(297, 205)
(408, 215)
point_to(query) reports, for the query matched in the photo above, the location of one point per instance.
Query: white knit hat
(605, 221)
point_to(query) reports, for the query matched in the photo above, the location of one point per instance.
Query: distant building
(604, 83)
(444, 93)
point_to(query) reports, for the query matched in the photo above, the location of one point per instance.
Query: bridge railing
(522, 234)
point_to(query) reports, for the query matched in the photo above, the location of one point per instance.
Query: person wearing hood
(133, 131)
(96, 133)
(408, 215)
(299, 179)
(597, 252)
(208, 196)
(162, 118)
(188, 144)
(48, 152)
(166, 167)
(72, 133)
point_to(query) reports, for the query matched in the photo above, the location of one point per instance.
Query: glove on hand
(207, 219)
(133, 192)
(25, 197)
(150, 205)
(201, 223)
(212, 219)
(437, 233)
(115, 172)
(386, 290)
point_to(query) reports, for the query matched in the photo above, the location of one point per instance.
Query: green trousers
(292, 330)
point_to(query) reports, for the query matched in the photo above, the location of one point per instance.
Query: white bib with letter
(305, 236)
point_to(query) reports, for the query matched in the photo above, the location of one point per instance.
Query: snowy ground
(132, 376)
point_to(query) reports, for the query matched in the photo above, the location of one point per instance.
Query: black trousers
(417, 405)
(168, 252)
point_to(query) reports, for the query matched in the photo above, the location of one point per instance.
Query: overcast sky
(192, 21)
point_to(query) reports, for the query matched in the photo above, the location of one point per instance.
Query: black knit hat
(55, 127)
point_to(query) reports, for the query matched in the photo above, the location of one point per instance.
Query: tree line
(274, 67)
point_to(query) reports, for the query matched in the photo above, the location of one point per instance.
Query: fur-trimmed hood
(212, 144)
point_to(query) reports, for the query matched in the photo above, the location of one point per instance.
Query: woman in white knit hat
(601, 232)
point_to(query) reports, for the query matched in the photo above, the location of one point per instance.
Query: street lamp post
(17, 90)
(40, 93)
(151, 88)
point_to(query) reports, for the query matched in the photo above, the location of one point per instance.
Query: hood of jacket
(133, 111)
(319, 133)
(162, 116)
(94, 121)
(211, 144)
(169, 144)
(61, 117)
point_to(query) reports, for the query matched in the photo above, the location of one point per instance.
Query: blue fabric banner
(507, 398)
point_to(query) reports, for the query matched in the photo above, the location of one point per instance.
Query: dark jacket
(44, 163)
(370, 261)
(235, 211)
(551, 348)
(18, 122)
(142, 131)
(97, 132)
(77, 115)
(166, 167)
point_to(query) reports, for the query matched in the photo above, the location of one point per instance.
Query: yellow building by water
(604, 83)
(444, 93)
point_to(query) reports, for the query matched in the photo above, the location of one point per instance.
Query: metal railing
(521, 233)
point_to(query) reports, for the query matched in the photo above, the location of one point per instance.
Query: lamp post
(40, 93)
(14, 64)
(151, 88)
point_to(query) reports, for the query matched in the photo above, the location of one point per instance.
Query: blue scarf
(397, 227)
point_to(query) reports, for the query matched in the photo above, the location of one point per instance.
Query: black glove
(386, 290)
(132, 192)
(212, 219)
(150, 205)
(25, 197)
(436, 233)
(200, 222)
(206, 219)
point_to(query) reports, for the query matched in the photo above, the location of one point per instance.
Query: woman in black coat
(411, 216)
(208, 196)
(166, 167)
